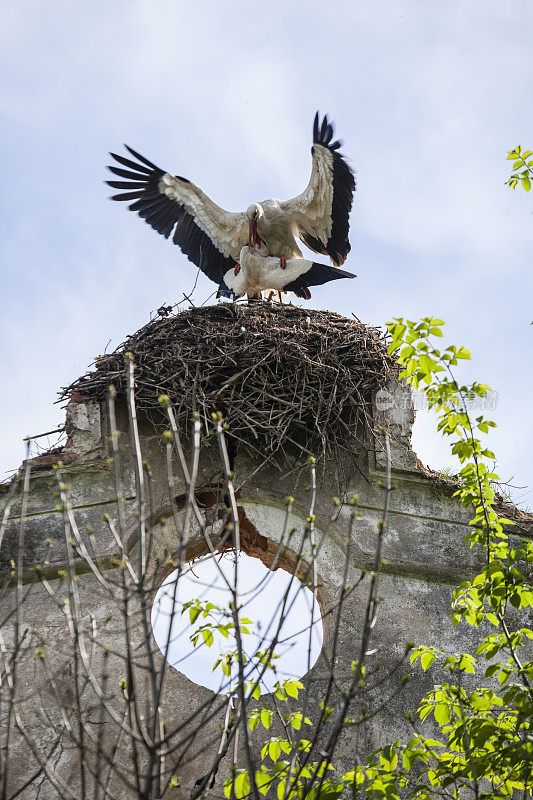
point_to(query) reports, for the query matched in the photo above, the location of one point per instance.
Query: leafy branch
(522, 168)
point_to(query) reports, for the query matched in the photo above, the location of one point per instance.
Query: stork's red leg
(237, 269)
(283, 262)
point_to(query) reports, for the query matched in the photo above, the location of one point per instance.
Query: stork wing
(208, 235)
(321, 212)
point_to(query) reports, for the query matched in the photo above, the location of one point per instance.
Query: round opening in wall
(193, 622)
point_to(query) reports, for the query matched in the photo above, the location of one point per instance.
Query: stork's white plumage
(257, 273)
(212, 238)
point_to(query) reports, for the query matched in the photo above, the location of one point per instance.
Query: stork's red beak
(253, 238)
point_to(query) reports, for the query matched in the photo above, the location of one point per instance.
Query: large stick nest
(279, 374)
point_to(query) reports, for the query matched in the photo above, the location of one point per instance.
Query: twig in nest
(307, 375)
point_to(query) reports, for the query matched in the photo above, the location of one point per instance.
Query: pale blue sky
(262, 598)
(428, 96)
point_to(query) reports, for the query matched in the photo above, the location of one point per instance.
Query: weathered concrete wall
(423, 558)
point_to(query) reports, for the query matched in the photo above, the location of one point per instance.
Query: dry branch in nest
(280, 375)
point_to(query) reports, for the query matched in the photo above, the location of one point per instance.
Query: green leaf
(504, 675)
(280, 693)
(266, 717)
(463, 353)
(426, 660)
(207, 636)
(442, 713)
(467, 663)
(274, 750)
(226, 666)
(291, 687)
(263, 781)
(194, 613)
(239, 785)
(242, 785)
(389, 758)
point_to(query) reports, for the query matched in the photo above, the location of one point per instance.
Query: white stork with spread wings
(212, 238)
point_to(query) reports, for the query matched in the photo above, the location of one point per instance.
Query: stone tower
(289, 383)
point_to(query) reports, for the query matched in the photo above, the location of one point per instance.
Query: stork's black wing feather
(168, 215)
(316, 276)
(337, 245)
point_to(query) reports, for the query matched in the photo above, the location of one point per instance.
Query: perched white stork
(213, 238)
(256, 273)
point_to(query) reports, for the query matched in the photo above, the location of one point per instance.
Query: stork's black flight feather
(166, 215)
(316, 276)
(337, 246)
